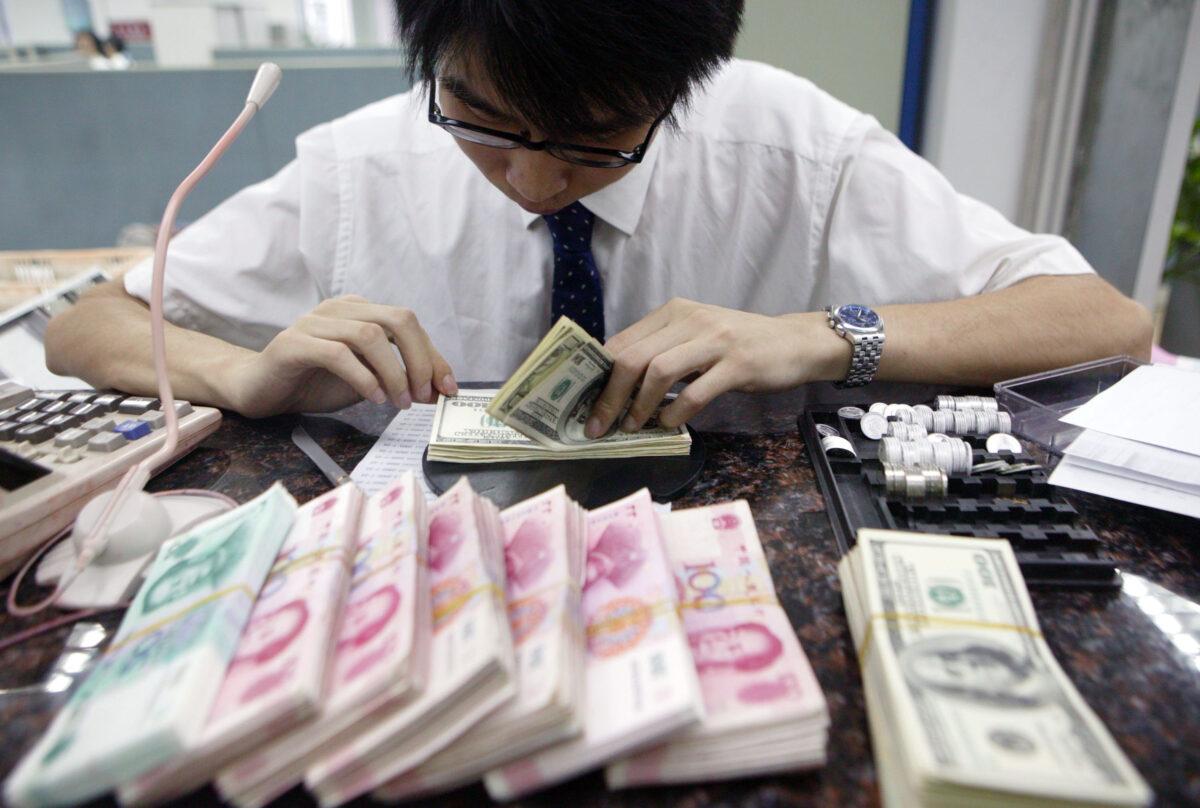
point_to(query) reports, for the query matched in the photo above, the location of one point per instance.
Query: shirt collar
(620, 204)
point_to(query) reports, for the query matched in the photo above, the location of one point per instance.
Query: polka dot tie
(577, 292)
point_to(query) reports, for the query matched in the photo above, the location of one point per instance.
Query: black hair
(117, 43)
(90, 35)
(575, 67)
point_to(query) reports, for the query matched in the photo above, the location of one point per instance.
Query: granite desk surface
(1137, 670)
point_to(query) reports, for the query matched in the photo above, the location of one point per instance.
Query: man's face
(536, 181)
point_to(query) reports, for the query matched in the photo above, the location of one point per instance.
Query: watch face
(853, 314)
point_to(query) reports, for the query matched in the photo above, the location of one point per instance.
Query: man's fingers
(662, 372)
(719, 379)
(370, 341)
(627, 372)
(443, 375)
(338, 359)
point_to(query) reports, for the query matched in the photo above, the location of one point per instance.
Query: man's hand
(343, 351)
(728, 349)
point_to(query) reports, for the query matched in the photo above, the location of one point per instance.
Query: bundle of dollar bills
(966, 704)
(472, 670)
(277, 677)
(765, 712)
(545, 406)
(544, 540)
(641, 685)
(148, 698)
(379, 662)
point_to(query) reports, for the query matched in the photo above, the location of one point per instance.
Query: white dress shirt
(770, 196)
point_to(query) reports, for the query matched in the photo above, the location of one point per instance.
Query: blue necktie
(577, 293)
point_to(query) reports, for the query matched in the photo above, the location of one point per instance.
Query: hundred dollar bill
(764, 708)
(381, 654)
(471, 667)
(551, 394)
(544, 539)
(277, 675)
(464, 432)
(147, 699)
(641, 684)
(967, 705)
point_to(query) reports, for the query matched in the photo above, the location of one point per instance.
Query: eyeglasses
(591, 156)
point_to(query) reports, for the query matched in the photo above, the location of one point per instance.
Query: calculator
(58, 448)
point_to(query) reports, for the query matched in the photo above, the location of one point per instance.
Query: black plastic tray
(1052, 545)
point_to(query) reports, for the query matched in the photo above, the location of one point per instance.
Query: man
(606, 161)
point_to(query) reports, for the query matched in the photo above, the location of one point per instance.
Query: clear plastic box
(1038, 402)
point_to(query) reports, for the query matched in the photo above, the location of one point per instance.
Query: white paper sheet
(1129, 458)
(1070, 474)
(1154, 404)
(398, 450)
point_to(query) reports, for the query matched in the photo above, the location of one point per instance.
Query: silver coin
(878, 407)
(1002, 442)
(873, 425)
(937, 437)
(827, 431)
(991, 465)
(838, 446)
(1018, 467)
(852, 413)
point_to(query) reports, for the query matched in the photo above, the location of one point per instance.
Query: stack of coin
(914, 484)
(967, 403)
(906, 431)
(947, 454)
(980, 422)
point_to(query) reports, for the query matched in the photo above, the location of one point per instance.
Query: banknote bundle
(379, 661)
(148, 698)
(765, 712)
(545, 404)
(966, 704)
(640, 683)
(544, 551)
(471, 664)
(277, 677)
(464, 432)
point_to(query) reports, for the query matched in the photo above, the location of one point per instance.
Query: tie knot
(571, 228)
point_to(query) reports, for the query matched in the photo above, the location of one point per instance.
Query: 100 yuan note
(641, 684)
(147, 699)
(969, 692)
(753, 672)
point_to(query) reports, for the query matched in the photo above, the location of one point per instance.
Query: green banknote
(148, 697)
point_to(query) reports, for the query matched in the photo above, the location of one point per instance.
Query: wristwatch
(862, 327)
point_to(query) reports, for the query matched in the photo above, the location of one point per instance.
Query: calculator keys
(30, 417)
(86, 411)
(132, 430)
(182, 408)
(51, 395)
(72, 437)
(34, 433)
(101, 423)
(31, 404)
(108, 401)
(55, 406)
(8, 429)
(12, 393)
(106, 441)
(62, 421)
(9, 414)
(136, 406)
(80, 398)
(156, 418)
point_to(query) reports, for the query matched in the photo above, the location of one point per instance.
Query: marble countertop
(1141, 680)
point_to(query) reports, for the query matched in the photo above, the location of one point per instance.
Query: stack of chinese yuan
(382, 647)
(276, 680)
(641, 683)
(544, 540)
(149, 697)
(471, 666)
(764, 709)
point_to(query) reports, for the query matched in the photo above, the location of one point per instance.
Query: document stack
(966, 704)
(1139, 442)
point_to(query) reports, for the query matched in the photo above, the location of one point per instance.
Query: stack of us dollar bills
(541, 412)
(966, 704)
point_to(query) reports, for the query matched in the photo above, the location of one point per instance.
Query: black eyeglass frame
(551, 147)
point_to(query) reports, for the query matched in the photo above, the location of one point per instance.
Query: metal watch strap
(864, 361)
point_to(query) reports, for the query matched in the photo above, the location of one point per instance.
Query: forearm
(105, 340)
(1041, 323)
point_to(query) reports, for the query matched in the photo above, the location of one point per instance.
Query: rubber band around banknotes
(444, 610)
(749, 600)
(914, 617)
(311, 557)
(166, 621)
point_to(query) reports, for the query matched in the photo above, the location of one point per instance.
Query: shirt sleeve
(258, 261)
(898, 232)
